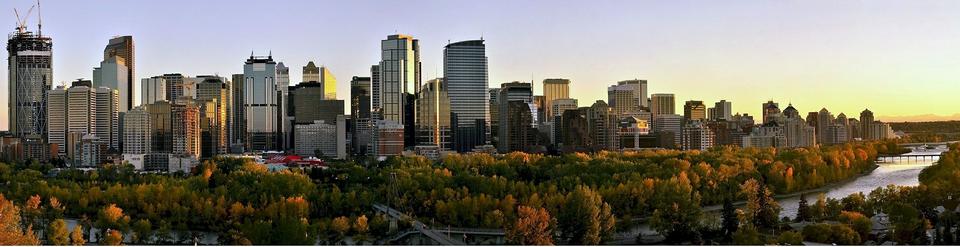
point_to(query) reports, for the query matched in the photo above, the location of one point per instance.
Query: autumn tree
(340, 225)
(57, 233)
(762, 210)
(585, 218)
(11, 231)
(112, 217)
(858, 222)
(533, 226)
(113, 237)
(55, 208)
(76, 236)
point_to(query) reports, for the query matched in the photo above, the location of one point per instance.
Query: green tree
(585, 218)
(790, 238)
(677, 209)
(730, 221)
(818, 232)
(57, 233)
(905, 220)
(803, 210)
(142, 230)
(747, 235)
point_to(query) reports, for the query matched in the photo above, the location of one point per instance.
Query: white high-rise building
(137, 136)
(136, 131)
(107, 117)
(153, 89)
(628, 97)
(329, 139)
(82, 110)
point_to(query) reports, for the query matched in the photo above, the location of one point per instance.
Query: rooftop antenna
(270, 55)
(251, 54)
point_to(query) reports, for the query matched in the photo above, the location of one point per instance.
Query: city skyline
(865, 70)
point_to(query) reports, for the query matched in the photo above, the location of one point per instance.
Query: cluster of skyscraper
(169, 122)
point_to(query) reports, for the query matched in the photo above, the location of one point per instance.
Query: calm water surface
(891, 171)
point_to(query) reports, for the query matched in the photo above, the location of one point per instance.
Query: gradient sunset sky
(901, 59)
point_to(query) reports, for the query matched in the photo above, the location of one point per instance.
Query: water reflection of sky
(895, 172)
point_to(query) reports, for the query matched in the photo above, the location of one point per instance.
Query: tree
(818, 232)
(803, 210)
(57, 233)
(677, 210)
(761, 209)
(790, 238)
(585, 218)
(340, 225)
(11, 231)
(747, 235)
(532, 227)
(113, 238)
(142, 230)
(112, 217)
(843, 235)
(730, 221)
(76, 236)
(360, 225)
(858, 222)
(905, 220)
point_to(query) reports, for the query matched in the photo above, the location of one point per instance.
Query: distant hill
(943, 130)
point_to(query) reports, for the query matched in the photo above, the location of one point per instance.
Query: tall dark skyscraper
(122, 46)
(174, 86)
(238, 128)
(262, 109)
(465, 69)
(360, 111)
(30, 57)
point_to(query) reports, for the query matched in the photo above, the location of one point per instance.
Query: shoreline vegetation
(577, 197)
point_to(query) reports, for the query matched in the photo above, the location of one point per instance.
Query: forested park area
(575, 198)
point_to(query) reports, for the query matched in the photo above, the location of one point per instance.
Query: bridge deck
(419, 226)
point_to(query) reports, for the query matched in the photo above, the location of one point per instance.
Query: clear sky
(901, 59)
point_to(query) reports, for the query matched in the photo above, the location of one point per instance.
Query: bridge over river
(422, 234)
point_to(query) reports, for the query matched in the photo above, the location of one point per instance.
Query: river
(890, 171)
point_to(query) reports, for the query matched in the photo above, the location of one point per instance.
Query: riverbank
(821, 189)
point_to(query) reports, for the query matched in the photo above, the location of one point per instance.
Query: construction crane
(22, 22)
